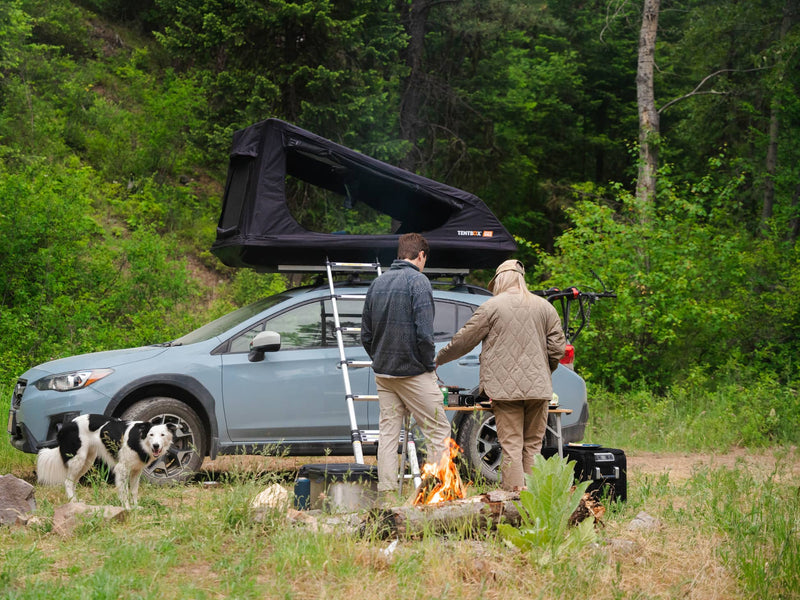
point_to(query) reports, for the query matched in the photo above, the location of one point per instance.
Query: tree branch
(696, 91)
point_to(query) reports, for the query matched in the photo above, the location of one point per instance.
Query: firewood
(476, 513)
(588, 507)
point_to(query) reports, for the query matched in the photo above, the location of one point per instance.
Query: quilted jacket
(522, 344)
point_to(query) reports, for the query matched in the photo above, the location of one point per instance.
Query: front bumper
(23, 439)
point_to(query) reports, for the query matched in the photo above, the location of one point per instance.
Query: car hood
(94, 360)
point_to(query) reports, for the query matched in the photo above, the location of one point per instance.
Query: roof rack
(432, 272)
(457, 275)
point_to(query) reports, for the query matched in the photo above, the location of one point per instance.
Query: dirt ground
(679, 466)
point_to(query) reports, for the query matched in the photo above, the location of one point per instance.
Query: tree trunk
(771, 166)
(416, 15)
(648, 115)
(475, 514)
(794, 222)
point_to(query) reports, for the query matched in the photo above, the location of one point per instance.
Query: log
(475, 513)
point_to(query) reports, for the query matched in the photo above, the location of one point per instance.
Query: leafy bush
(738, 404)
(67, 286)
(692, 290)
(545, 508)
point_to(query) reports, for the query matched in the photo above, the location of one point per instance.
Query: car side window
(300, 327)
(449, 318)
(241, 343)
(349, 317)
(310, 325)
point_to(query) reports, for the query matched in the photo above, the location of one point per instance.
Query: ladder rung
(364, 397)
(352, 265)
(370, 436)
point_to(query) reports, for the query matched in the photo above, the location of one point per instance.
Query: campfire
(441, 481)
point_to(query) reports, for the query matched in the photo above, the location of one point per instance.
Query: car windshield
(226, 322)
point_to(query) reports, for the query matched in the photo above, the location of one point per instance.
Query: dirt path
(678, 465)
(682, 465)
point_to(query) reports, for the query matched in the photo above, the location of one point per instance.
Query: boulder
(16, 500)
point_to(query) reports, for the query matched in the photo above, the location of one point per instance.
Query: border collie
(126, 447)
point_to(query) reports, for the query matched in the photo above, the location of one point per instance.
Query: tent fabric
(257, 230)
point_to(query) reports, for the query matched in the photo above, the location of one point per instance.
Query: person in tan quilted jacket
(522, 344)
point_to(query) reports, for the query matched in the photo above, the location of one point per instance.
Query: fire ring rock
(16, 500)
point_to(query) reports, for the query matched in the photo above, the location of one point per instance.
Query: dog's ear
(144, 428)
(173, 429)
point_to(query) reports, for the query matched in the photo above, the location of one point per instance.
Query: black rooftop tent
(256, 228)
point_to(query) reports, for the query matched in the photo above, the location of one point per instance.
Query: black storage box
(606, 468)
(345, 486)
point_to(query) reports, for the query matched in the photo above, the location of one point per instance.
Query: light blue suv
(292, 401)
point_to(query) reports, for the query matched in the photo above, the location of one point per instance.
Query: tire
(477, 436)
(189, 445)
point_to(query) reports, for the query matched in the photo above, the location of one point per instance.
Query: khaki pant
(521, 425)
(419, 396)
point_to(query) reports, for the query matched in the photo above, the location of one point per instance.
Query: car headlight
(65, 382)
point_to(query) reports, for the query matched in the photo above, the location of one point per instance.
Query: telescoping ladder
(357, 435)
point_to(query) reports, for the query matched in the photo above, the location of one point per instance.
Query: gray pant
(521, 425)
(398, 396)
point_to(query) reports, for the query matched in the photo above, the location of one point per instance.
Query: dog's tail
(50, 468)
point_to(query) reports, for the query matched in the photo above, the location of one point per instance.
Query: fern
(545, 508)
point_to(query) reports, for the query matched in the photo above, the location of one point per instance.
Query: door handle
(470, 361)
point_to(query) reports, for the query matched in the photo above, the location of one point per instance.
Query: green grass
(730, 533)
(725, 532)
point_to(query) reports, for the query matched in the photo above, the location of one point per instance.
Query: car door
(449, 318)
(297, 393)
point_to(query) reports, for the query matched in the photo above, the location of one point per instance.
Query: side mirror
(266, 341)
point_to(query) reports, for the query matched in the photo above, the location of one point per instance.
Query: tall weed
(738, 406)
(761, 528)
(545, 508)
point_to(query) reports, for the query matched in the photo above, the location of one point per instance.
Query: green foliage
(545, 508)
(124, 141)
(67, 287)
(248, 286)
(331, 67)
(693, 289)
(15, 27)
(737, 405)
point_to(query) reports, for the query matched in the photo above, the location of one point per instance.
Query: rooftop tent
(256, 228)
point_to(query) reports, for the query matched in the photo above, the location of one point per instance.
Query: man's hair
(410, 244)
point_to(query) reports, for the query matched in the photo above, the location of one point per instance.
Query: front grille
(19, 389)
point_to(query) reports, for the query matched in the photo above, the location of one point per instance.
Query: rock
(643, 522)
(623, 546)
(68, 516)
(274, 497)
(16, 500)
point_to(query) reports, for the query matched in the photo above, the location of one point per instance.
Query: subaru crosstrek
(291, 402)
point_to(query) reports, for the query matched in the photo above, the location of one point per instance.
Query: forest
(649, 147)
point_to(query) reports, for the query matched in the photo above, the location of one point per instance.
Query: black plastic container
(336, 486)
(606, 468)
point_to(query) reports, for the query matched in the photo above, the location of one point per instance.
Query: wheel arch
(185, 389)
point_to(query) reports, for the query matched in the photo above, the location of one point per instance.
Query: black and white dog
(126, 447)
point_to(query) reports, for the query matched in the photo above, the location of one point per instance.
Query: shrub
(545, 508)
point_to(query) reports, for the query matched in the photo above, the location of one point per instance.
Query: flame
(441, 481)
